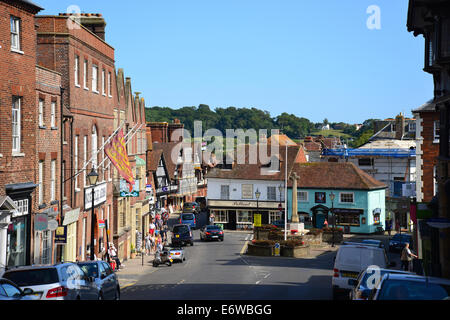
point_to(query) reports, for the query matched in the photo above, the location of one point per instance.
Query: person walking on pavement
(406, 257)
(211, 219)
(148, 244)
(152, 228)
(325, 224)
(389, 227)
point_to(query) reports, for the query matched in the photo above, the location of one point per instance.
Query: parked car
(374, 242)
(366, 281)
(350, 260)
(411, 287)
(65, 281)
(211, 232)
(177, 254)
(104, 277)
(398, 241)
(189, 219)
(182, 234)
(192, 207)
(11, 292)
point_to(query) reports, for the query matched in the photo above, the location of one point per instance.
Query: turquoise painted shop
(359, 200)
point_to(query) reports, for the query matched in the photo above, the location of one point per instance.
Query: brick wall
(430, 152)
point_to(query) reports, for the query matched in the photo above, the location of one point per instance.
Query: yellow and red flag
(117, 152)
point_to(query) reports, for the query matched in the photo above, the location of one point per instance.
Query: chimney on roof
(94, 22)
(399, 126)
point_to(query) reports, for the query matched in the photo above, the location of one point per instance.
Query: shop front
(239, 215)
(7, 209)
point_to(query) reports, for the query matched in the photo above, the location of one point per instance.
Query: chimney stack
(399, 126)
(94, 22)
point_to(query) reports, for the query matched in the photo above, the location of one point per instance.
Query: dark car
(211, 233)
(182, 234)
(104, 277)
(10, 291)
(192, 207)
(398, 241)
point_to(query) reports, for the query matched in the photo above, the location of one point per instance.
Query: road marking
(128, 285)
(180, 282)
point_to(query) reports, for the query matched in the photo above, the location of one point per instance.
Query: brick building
(76, 49)
(132, 208)
(48, 149)
(427, 151)
(18, 130)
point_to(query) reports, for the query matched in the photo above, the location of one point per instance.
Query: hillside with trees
(296, 128)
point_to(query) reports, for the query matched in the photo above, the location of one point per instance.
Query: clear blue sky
(315, 59)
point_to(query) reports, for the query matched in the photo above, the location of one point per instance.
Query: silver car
(65, 281)
(9, 291)
(177, 254)
(104, 278)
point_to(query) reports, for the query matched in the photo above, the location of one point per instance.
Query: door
(320, 219)
(108, 279)
(232, 219)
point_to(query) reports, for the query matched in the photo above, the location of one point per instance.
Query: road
(217, 271)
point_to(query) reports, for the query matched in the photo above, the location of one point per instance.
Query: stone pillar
(294, 178)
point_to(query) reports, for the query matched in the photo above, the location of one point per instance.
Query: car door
(88, 289)
(108, 279)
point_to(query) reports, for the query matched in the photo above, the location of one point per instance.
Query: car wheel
(155, 264)
(100, 296)
(117, 296)
(192, 243)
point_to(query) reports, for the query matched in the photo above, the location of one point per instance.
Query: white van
(353, 258)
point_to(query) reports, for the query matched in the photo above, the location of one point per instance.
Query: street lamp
(332, 196)
(257, 195)
(93, 178)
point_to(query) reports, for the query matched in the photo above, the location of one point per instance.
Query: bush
(336, 229)
(292, 243)
(264, 243)
(266, 227)
(315, 232)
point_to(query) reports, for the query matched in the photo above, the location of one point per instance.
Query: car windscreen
(90, 269)
(209, 228)
(34, 277)
(180, 229)
(413, 290)
(187, 217)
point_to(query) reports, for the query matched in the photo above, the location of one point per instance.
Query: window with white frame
(15, 33)
(346, 197)
(220, 216)
(437, 130)
(16, 124)
(53, 114)
(274, 216)
(77, 71)
(224, 192)
(46, 247)
(302, 196)
(412, 127)
(22, 207)
(85, 75)
(94, 146)
(272, 193)
(103, 159)
(53, 180)
(75, 160)
(244, 217)
(109, 84)
(95, 78)
(85, 151)
(41, 182)
(103, 82)
(41, 113)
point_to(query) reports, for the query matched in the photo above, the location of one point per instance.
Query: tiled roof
(166, 149)
(259, 171)
(334, 175)
(153, 159)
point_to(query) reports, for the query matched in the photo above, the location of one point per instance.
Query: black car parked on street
(182, 234)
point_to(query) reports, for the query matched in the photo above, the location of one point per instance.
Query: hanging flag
(117, 153)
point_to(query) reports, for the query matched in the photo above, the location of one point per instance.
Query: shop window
(348, 219)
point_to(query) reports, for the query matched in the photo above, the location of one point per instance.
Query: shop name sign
(99, 196)
(125, 190)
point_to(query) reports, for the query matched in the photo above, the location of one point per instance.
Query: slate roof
(166, 150)
(429, 106)
(334, 175)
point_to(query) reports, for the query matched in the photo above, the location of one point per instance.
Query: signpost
(257, 220)
(277, 250)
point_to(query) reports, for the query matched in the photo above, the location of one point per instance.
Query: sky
(314, 59)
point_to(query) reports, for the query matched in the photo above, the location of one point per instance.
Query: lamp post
(92, 177)
(332, 196)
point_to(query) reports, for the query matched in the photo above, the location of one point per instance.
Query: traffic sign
(277, 250)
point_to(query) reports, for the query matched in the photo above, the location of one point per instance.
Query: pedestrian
(112, 251)
(148, 244)
(325, 224)
(152, 228)
(164, 233)
(211, 219)
(153, 243)
(406, 257)
(389, 227)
